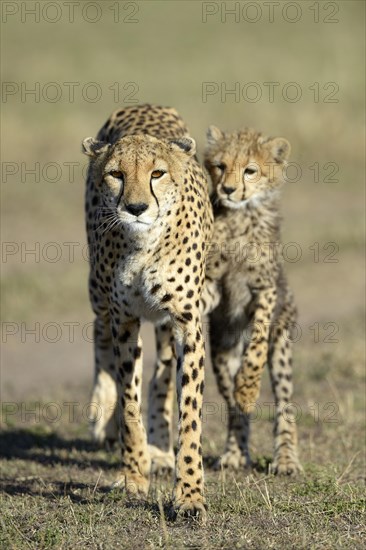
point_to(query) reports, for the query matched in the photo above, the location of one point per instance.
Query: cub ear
(185, 145)
(213, 135)
(94, 148)
(280, 149)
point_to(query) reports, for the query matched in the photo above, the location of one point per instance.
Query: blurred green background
(164, 52)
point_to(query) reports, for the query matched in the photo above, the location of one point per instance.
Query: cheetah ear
(280, 149)
(185, 145)
(213, 135)
(94, 148)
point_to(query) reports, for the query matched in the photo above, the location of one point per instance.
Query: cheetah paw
(234, 461)
(104, 434)
(191, 511)
(289, 466)
(162, 462)
(135, 485)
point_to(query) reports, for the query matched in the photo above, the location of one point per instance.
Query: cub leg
(280, 367)
(225, 365)
(248, 377)
(210, 297)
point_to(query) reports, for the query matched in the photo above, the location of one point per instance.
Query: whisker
(111, 226)
(105, 222)
(108, 225)
(112, 223)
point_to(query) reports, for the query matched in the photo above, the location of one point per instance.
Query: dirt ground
(53, 491)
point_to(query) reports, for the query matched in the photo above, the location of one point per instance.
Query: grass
(54, 489)
(53, 481)
(55, 497)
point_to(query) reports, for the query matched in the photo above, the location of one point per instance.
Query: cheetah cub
(251, 325)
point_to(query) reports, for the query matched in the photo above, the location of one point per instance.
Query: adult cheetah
(148, 217)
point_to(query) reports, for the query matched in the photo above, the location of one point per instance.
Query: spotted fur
(148, 217)
(251, 325)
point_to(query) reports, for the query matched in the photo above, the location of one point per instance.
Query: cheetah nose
(228, 190)
(137, 208)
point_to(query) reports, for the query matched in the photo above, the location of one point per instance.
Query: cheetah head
(140, 177)
(244, 166)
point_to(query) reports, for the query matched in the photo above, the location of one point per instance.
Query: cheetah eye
(156, 174)
(221, 166)
(250, 171)
(117, 175)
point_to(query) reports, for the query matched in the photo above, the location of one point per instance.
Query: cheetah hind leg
(236, 454)
(161, 398)
(162, 462)
(103, 414)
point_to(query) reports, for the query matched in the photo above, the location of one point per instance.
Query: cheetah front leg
(104, 395)
(161, 395)
(188, 491)
(286, 459)
(248, 377)
(134, 475)
(161, 388)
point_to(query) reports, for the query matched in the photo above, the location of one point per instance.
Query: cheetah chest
(134, 284)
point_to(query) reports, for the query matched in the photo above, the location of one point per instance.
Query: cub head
(139, 177)
(244, 165)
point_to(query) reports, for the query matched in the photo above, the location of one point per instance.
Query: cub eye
(221, 166)
(156, 174)
(250, 171)
(116, 174)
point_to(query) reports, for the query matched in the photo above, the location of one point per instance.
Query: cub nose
(228, 190)
(137, 208)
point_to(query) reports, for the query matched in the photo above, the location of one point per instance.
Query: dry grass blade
(348, 467)
(163, 522)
